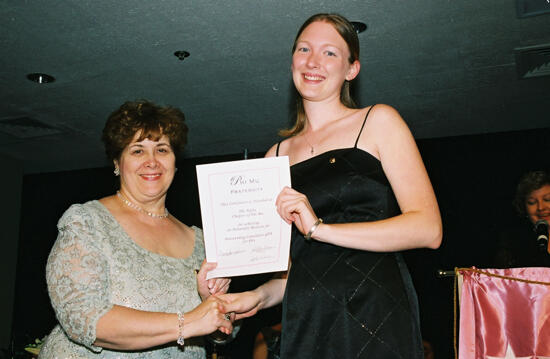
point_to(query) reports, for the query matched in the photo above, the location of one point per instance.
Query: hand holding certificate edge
(294, 207)
(213, 286)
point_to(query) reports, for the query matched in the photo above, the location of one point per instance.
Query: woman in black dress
(348, 293)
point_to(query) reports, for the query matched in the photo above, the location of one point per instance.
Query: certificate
(242, 230)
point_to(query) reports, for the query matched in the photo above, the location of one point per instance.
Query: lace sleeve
(77, 274)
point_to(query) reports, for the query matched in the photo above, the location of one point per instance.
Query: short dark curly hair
(150, 120)
(529, 182)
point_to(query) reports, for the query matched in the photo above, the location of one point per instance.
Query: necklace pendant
(312, 151)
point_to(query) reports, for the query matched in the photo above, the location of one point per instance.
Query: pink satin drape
(497, 313)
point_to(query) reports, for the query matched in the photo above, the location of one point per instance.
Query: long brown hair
(348, 33)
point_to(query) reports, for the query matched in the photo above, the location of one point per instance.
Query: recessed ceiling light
(41, 78)
(359, 26)
(181, 54)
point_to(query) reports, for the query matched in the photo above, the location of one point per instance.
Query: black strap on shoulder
(277, 152)
(363, 125)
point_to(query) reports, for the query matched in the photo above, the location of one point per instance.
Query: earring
(116, 172)
(175, 169)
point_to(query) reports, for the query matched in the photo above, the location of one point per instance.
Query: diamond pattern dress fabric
(340, 302)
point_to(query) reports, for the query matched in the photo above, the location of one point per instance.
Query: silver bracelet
(181, 339)
(312, 229)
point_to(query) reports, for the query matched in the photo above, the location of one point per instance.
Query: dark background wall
(474, 178)
(10, 185)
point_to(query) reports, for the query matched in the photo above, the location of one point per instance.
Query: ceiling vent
(26, 127)
(533, 61)
(526, 8)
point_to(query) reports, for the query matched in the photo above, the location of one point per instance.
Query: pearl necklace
(135, 206)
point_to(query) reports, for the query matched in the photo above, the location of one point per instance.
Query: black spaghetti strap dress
(340, 302)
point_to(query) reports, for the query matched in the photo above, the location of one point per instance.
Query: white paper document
(242, 230)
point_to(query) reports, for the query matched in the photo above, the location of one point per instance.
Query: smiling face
(147, 168)
(320, 62)
(537, 204)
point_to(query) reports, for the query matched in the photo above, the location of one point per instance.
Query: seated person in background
(122, 274)
(519, 248)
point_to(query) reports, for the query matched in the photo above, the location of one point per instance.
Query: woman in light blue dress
(126, 278)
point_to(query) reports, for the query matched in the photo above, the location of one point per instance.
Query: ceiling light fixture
(41, 78)
(181, 54)
(359, 26)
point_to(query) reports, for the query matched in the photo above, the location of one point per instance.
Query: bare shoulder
(384, 115)
(272, 152)
(283, 148)
(385, 122)
(384, 128)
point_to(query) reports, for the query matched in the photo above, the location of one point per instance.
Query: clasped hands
(211, 312)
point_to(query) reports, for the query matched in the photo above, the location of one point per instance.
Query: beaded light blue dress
(94, 265)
